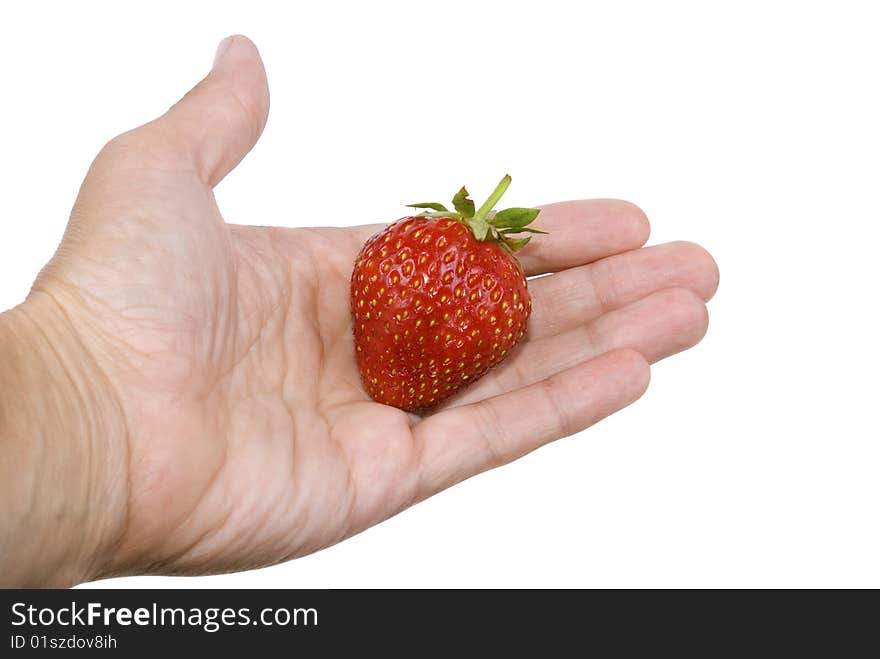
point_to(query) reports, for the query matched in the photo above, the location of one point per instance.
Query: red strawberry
(438, 299)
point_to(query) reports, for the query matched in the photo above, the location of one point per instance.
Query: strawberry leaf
(433, 205)
(485, 223)
(516, 244)
(514, 217)
(463, 204)
(521, 230)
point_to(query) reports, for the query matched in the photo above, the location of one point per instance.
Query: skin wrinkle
(184, 554)
(59, 411)
(296, 420)
(220, 528)
(34, 484)
(419, 482)
(541, 308)
(603, 302)
(198, 501)
(285, 361)
(552, 388)
(277, 303)
(347, 527)
(518, 367)
(39, 445)
(409, 490)
(261, 525)
(316, 322)
(285, 358)
(493, 433)
(231, 308)
(113, 542)
(184, 521)
(351, 486)
(96, 307)
(592, 338)
(217, 479)
(253, 345)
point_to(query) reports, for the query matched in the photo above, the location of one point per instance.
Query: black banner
(128, 622)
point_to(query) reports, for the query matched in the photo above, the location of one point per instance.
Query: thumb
(222, 117)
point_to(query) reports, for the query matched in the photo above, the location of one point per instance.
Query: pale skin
(179, 395)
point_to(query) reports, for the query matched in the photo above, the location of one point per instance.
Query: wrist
(63, 460)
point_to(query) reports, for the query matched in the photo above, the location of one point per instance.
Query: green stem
(483, 211)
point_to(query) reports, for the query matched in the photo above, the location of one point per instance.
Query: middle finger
(576, 296)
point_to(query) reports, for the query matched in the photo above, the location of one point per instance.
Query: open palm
(228, 351)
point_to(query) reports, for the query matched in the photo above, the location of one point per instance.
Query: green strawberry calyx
(484, 222)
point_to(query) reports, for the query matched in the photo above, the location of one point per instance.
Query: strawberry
(439, 298)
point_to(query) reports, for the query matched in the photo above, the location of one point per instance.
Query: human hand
(201, 409)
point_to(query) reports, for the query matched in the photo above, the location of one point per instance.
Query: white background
(752, 129)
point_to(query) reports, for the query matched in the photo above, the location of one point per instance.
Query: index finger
(580, 232)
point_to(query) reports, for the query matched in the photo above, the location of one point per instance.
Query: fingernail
(222, 47)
